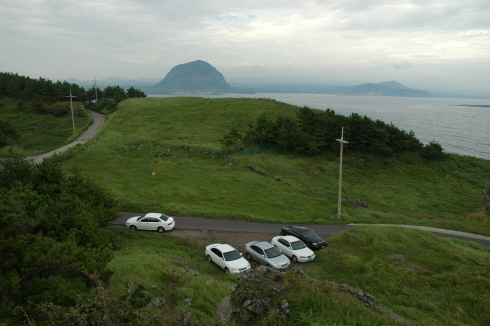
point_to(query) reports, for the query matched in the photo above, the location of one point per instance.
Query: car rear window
(164, 218)
(297, 245)
(231, 255)
(272, 252)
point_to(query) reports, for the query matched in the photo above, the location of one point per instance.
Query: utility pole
(342, 141)
(72, 116)
(95, 87)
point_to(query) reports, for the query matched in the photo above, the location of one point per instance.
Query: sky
(438, 46)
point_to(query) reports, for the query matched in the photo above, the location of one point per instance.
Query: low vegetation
(166, 154)
(170, 155)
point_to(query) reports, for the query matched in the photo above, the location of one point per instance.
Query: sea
(459, 125)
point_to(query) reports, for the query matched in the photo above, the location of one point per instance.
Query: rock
(256, 306)
(191, 271)
(186, 319)
(189, 302)
(299, 271)
(283, 309)
(224, 310)
(234, 288)
(156, 302)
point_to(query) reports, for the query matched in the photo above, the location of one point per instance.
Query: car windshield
(231, 255)
(297, 245)
(309, 233)
(272, 252)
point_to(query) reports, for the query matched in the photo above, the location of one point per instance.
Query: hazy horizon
(437, 46)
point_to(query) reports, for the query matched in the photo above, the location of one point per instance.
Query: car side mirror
(263, 256)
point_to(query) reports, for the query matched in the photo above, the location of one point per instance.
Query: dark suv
(305, 234)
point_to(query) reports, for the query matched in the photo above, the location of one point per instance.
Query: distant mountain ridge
(199, 77)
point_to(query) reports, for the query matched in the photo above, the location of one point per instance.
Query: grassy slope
(404, 190)
(426, 279)
(40, 133)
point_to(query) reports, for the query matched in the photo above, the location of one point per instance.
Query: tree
(53, 232)
(7, 131)
(433, 151)
(135, 93)
(115, 93)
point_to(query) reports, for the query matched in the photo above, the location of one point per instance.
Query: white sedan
(293, 248)
(151, 221)
(226, 257)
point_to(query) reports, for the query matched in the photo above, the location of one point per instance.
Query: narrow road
(88, 134)
(326, 231)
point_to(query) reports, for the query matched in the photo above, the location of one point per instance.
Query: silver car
(266, 254)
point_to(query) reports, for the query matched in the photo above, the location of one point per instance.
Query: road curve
(326, 231)
(99, 120)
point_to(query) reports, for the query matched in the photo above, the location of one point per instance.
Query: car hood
(303, 252)
(315, 239)
(133, 219)
(279, 260)
(239, 263)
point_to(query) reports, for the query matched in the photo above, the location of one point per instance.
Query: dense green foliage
(53, 233)
(313, 132)
(14, 85)
(163, 154)
(7, 131)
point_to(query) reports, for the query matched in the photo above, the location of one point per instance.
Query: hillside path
(99, 120)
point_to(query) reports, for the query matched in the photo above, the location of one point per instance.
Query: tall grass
(423, 278)
(40, 133)
(427, 279)
(194, 179)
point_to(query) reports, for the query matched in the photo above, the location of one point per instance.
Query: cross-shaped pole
(72, 117)
(342, 141)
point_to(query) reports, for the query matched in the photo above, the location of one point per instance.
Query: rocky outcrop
(193, 77)
(263, 290)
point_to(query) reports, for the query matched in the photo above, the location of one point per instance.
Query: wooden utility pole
(72, 116)
(342, 141)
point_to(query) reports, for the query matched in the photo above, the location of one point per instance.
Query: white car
(226, 257)
(293, 248)
(151, 221)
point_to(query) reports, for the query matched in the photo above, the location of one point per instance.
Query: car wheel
(161, 229)
(295, 259)
(248, 256)
(227, 271)
(209, 259)
(133, 228)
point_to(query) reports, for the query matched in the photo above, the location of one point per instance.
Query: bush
(433, 151)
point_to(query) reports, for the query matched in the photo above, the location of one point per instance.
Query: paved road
(99, 120)
(195, 223)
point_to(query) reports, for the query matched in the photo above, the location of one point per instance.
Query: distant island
(201, 78)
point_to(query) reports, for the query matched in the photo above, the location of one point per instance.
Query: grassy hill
(425, 279)
(40, 133)
(163, 154)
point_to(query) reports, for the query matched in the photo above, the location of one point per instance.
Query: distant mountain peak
(393, 84)
(196, 76)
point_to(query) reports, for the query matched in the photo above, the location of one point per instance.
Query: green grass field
(40, 133)
(193, 180)
(425, 279)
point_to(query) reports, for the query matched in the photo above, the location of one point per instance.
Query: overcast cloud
(441, 45)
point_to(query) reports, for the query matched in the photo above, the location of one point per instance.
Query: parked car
(151, 221)
(266, 254)
(226, 257)
(307, 235)
(294, 248)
